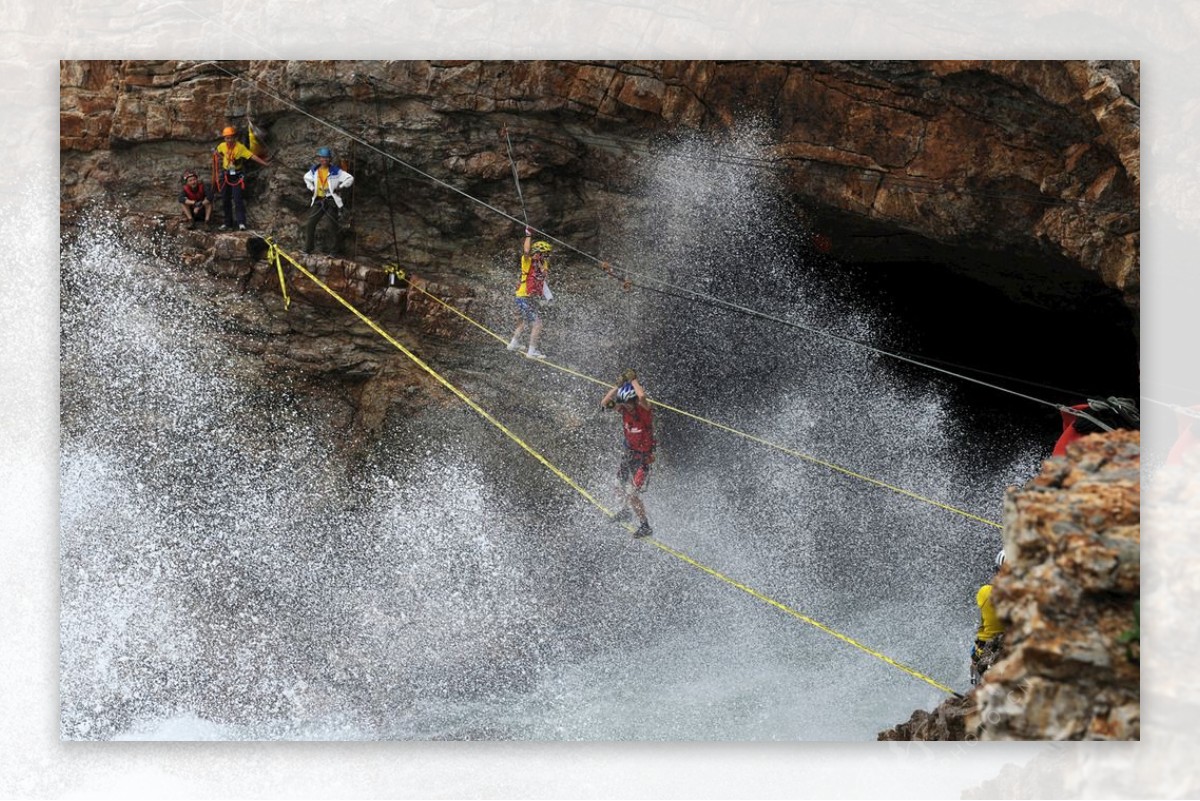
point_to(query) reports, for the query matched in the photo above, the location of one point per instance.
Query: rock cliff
(1068, 594)
(1024, 174)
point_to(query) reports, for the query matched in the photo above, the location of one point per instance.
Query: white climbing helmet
(1000, 559)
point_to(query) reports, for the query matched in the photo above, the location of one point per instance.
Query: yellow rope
(273, 258)
(800, 616)
(723, 427)
(438, 377)
(278, 253)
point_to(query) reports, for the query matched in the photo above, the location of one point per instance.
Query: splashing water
(227, 573)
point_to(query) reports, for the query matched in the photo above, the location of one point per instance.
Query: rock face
(1067, 594)
(946, 722)
(1024, 174)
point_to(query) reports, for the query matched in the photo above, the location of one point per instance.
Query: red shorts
(635, 468)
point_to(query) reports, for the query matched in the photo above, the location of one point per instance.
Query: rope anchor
(393, 271)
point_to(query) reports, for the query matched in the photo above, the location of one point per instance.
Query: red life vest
(639, 428)
(1069, 434)
(194, 194)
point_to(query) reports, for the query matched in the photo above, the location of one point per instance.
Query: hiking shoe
(643, 530)
(534, 353)
(241, 227)
(222, 227)
(623, 516)
(514, 344)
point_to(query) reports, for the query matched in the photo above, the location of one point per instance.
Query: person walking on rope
(532, 291)
(231, 181)
(194, 200)
(325, 181)
(629, 399)
(990, 637)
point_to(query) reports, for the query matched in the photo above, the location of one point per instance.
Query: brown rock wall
(1071, 577)
(1017, 172)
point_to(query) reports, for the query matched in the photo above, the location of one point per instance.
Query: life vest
(195, 194)
(639, 428)
(533, 279)
(1116, 413)
(1069, 433)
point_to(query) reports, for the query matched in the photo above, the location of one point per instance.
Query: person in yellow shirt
(990, 636)
(230, 180)
(532, 291)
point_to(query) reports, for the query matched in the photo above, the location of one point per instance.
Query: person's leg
(535, 333)
(641, 474)
(239, 204)
(639, 508)
(227, 206)
(524, 315)
(207, 211)
(335, 229)
(187, 213)
(310, 227)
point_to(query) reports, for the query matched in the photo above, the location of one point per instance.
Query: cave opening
(1060, 341)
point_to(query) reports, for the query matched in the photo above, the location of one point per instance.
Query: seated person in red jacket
(195, 201)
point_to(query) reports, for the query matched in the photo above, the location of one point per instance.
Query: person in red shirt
(629, 399)
(194, 200)
(1095, 415)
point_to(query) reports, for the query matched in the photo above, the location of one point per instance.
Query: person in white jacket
(325, 181)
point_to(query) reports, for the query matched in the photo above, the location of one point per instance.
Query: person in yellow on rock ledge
(990, 636)
(230, 181)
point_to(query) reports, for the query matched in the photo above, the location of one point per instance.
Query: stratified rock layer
(1021, 173)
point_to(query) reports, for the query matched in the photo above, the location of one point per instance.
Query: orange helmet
(229, 131)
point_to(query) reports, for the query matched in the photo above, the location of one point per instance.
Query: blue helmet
(325, 152)
(626, 393)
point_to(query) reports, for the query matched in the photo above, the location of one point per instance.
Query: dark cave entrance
(1061, 336)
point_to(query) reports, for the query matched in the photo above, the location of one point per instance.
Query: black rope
(387, 173)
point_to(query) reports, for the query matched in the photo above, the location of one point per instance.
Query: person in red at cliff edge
(1094, 416)
(629, 399)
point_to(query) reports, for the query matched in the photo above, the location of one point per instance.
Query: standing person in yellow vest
(325, 181)
(230, 180)
(990, 636)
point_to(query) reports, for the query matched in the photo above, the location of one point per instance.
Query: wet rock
(1067, 595)
(1034, 163)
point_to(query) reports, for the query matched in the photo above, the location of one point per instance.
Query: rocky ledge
(1069, 595)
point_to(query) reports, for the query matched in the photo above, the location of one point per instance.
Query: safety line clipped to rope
(277, 253)
(280, 254)
(781, 448)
